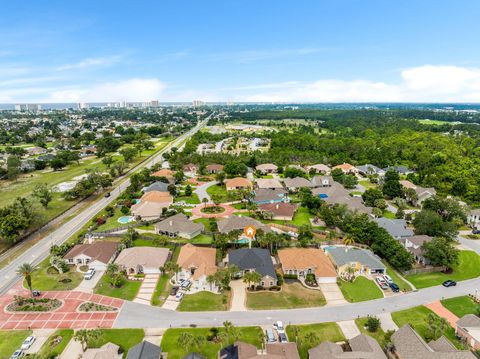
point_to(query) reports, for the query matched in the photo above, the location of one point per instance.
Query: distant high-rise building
(18, 107)
(154, 103)
(82, 105)
(28, 107)
(197, 103)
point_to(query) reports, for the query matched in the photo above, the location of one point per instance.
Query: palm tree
(311, 338)
(26, 270)
(112, 268)
(211, 279)
(85, 336)
(247, 278)
(186, 340)
(172, 267)
(348, 240)
(205, 201)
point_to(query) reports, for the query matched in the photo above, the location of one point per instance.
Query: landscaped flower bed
(213, 209)
(22, 304)
(95, 307)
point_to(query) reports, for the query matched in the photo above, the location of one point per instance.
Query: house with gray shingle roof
(254, 260)
(362, 260)
(397, 228)
(262, 196)
(362, 347)
(144, 350)
(234, 223)
(468, 328)
(179, 226)
(157, 186)
(294, 184)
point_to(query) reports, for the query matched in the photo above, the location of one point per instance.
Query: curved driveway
(201, 191)
(133, 315)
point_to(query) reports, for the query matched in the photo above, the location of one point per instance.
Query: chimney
(170, 223)
(277, 206)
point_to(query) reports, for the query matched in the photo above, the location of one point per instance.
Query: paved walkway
(66, 316)
(239, 296)
(332, 293)
(386, 322)
(201, 191)
(144, 295)
(197, 211)
(72, 350)
(349, 328)
(443, 312)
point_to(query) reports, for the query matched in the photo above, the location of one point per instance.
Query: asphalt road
(134, 315)
(40, 250)
(473, 244)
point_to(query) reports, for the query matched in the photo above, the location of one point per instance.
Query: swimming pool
(125, 219)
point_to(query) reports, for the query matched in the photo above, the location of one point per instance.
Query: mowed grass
(124, 338)
(11, 340)
(302, 217)
(378, 335)
(47, 278)
(417, 317)
(161, 290)
(49, 351)
(292, 295)
(218, 190)
(461, 306)
(361, 289)
(193, 199)
(323, 331)
(204, 302)
(467, 268)
(209, 349)
(128, 291)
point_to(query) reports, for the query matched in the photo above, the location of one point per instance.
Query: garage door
(327, 280)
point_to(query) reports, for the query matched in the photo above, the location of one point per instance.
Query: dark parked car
(282, 338)
(36, 293)
(394, 287)
(476, 231)
(107, 194)
(449, 283)
(174, 291)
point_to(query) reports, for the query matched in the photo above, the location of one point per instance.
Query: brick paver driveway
(228, 210)
(66, 316)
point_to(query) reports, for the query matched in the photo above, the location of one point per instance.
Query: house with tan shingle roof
(96, 255)
(267, 168)
(347, 168)
(147, 260)
(319, 168)
(238, 183)
(196, 264)
(280, 211)
(268, 183)
(151, 205)
(303, 261)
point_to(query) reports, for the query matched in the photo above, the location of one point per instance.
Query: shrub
(372, 324)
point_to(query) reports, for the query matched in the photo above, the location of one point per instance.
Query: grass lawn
(239, 205)
(205, 222)
(467, 268)
(367, 184)
(202, 239)
(127, 292)
(388, 214)
(417, 317)
(10, 340)
(112, 222)
(47, 278)
(461, 306)
(218, 190)
(204, 302)
(292, 295)
(193, 199)
(161, 290)
(48, 351)
(124, 338)
(302, 216)
(396, 278)
(361, 289)
(379, 335)
(324, 331)
(210, 349)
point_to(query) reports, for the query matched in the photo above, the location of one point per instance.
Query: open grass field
(47, 278)
(204, 302)
(209, 349)
(49, 351)
(10, 340)
(361, 289)
(128, 291)
(323, 332)
(124, 338)
(417, 317)
(467, 268)
(461, 306)
(292, 295)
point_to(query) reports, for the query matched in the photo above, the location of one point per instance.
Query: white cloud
(91, 62)
(137, 89)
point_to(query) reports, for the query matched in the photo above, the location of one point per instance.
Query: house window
(262, 284)
(271, 283)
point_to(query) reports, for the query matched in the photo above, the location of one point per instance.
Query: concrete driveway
(201, 191)
(332, 293)
(239, 296)
(87, 286)
(41, 336)
(144, 295)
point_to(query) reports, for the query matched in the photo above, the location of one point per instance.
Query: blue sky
(305, 51)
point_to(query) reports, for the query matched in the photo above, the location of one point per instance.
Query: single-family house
(238, 183)
(361, 347)
(262, 196)
(235, 223)
(35, 151)
(362, 261)
(297, 167)
(241, 350)
(369, 170)
(106, 351)
(473, 218)
(294, 184)
(303, 261)
(190, 169)
(156, 186)
(165, 172)
(96, 255)
(322, 181)
(254, 260)
(320, 168)
(408, 344)
(179, 226)
(337, 194)
(46, 158)
(266, 168)
(403, 170)
(196, 264)
(142, 260)
(347, 168)
(214, 168)
(468, 328)
(280, 211)
(151, 205)
(422, 193)
(397, 228)
(268, 183)
(144, 350)
(414, 245)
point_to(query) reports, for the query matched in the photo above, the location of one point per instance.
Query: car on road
(174, 291)
(394, 287)
(382, 283)
(17, 354)
(279, 326)
(270, 336)
(387, 278)
(476, 231)
(106, 195)
(449, 283)
(179, 296)
(36, 293)
(89, 274)
(282, 337)
(27, 343)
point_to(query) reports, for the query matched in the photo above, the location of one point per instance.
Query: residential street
(474, 245)
(201, 191)
(40, 250)
(134, 315)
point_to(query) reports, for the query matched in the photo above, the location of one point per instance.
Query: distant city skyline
(249, 51)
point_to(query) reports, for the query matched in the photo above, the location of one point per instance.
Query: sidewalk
(144, 295)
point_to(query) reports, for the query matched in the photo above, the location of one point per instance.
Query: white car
(90, 273)
(381, 282)
(17, 354)
(388, 279)
(27, 343)
(179, 296)
(279, 326)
